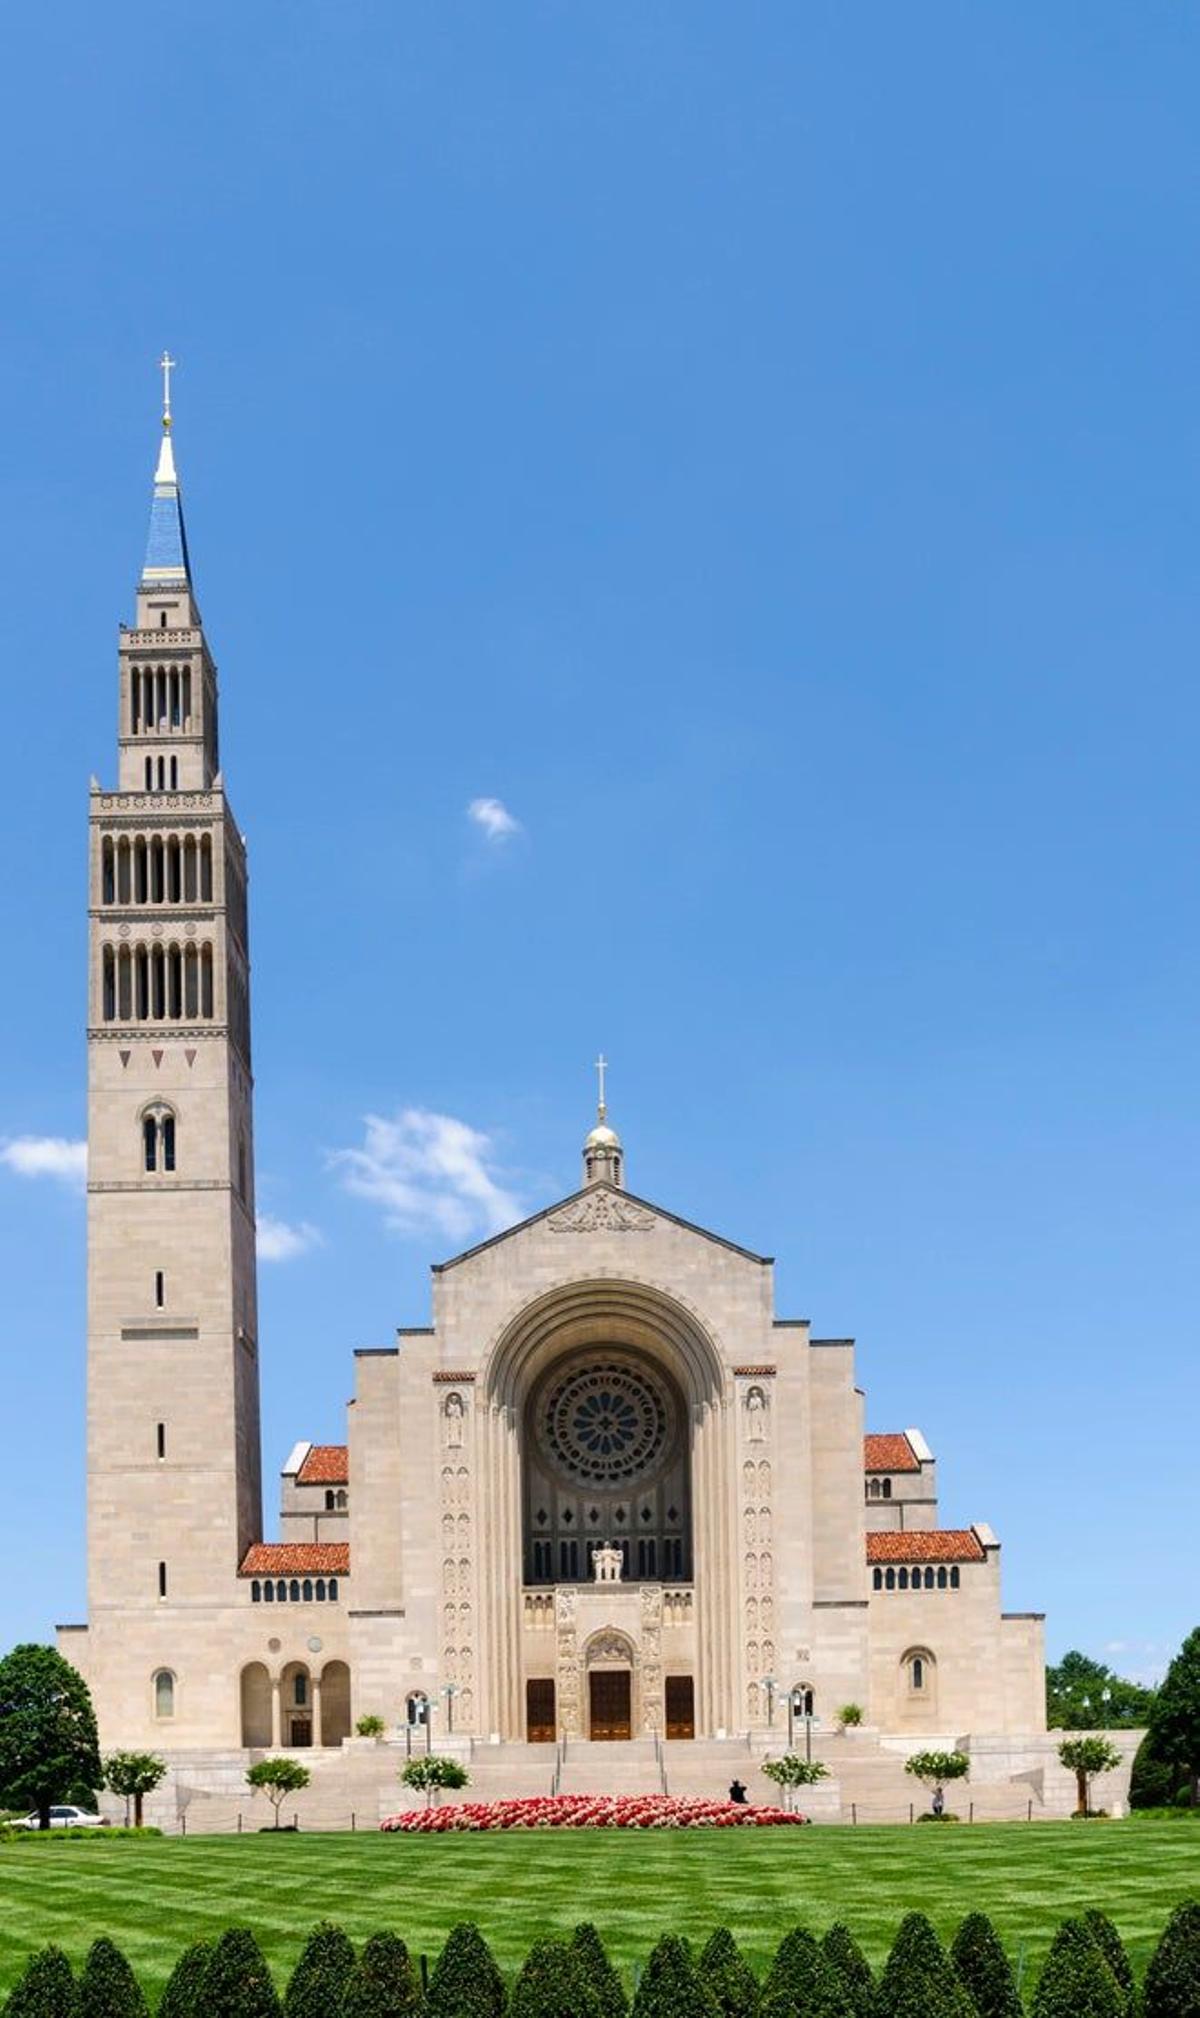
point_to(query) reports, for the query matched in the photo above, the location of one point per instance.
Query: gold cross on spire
(167, 364)
(601, 1068)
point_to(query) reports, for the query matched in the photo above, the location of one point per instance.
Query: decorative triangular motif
(124, 1057)
(601, 1211)
(158, 1058)
(190, 1056)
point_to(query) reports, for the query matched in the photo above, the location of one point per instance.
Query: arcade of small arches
(157, 983)
(160, 699)
(297, 1706)
(928, 1579)
(156, 869)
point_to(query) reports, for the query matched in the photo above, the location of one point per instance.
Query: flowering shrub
(593, 1811)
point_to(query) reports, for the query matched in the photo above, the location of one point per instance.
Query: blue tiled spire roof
(166, 564)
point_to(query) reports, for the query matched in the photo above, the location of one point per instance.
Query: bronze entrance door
(609, 1695)
(539, 1712)
(681, 1707)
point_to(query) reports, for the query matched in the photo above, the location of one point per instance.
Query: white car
(64, 1817)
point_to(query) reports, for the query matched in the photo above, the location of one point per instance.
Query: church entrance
(609, 1703)
(681, 1707)
(540, 1727)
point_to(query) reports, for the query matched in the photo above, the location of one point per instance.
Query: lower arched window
(416, 1708)
(878, 1580)
(919, 1665)
(256, 1592)
(164, 1693)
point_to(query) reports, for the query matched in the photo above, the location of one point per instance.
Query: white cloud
(47, 1156)
(430, 1173)
(493, 816)
(277, 1241)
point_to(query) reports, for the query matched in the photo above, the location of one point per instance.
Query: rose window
(605, 1425)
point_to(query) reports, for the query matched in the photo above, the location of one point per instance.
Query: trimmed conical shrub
(108, 1987)
(984, 1969)
(1111, 1946)
(466, 1982)
(179, 1999)
(918, 1980)
(802, 1984)
(320, 1977)
(1076, 1981)
(607, 1990)
(46, 1989)
(237, 1982)
(728, 1976)
(383, 1982)
(552, 1984)
(1172, 1987)
(843, 1953)
(670, 1987)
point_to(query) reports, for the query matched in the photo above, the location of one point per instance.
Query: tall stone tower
(174, 1495)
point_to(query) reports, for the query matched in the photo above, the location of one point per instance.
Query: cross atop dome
(603, 1156)
(166, 564)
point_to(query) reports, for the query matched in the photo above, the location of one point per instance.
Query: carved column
(755, 1446)
(567, 1677)
(457, 1632)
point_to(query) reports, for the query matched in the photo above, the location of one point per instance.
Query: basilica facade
(607, 1493)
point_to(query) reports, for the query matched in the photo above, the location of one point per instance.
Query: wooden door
(681, 1707)
(609, 1694)
(539, 1712)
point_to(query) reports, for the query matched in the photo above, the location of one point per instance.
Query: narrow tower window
(162, 1431)
(168, 1141)
(150, 1142)
(162, 1580)
(160, 1297)
(110, 984)
(164, 1693)
(108, 881)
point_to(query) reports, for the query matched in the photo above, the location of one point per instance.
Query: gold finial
(601, 1068)
(167, 364)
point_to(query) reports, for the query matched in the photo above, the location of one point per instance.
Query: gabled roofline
(589, 1191)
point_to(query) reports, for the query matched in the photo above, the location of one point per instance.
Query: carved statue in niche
(751, 1573)
(748, 1477)
(764, 1478)
(608, 1563)
(448, 1577)
(452, 1421)
(756, 1415)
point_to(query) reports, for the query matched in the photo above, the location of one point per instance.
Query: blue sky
(757, 448)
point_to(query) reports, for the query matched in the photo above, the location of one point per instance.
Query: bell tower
(174, 1494)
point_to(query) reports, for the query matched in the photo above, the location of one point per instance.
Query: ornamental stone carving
(601, 1212)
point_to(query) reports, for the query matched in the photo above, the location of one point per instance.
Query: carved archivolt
(601, 1212)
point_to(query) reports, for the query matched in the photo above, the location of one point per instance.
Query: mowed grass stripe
(152, 1897)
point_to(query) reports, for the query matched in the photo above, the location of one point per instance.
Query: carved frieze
(601, 1212)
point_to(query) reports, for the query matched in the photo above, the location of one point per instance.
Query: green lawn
(153, 1896)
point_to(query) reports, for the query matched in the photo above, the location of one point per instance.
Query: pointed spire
(166, 564)
(603, 1156)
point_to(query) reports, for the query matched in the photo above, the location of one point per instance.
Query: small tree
(278, 1778)
(801, 1980)
(237, 1982)
(918, 1977)
(133, 1775)
(670, 1986)
(849, 1715)
(552, 1983)
(790, 1772)
(1085, 1757)
(607, 1989)
(46, 1989)
(935, 1769)
(843, 1953)
(1175, 1718)
(728, 1977)
(107, 1987)
(466, 1982)
(370, 1726)
(47, 1730)
(180, 1998)
(383, 1982)
(984, 1969)
(319, 1978)
(1076, 1981)
(433, 1772)
(1172, 1986)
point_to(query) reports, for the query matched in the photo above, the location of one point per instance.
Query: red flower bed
(592, 1811)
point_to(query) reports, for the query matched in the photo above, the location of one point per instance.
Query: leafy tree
(790, 1772)
(801, 1983)
(278, 1778)
(107, 1987)
(1154, 1782)
(236, 1981)
(370, 1726)
(179, 1999)
(47, 1730)
(1076, 1981)
(984, 1969)
(433, 1772)
(1175, 1719)
(1111, 1946)
(552, 1983)
(728, 1976)
(843, 1953)
(383, 1982)
(1075, 1696)
(1085, 1757)
(918, 1980)
(320, 1976)
(610, 1998)
(46, 1989)
(670, 1986)
(1172, 1987)
(849, 1715)
(934, 1769)
(133, 1775)
(466, 1982)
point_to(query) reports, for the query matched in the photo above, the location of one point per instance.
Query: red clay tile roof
(925, 1545)
(326, 1464)
(889, 1453)
(296, 1559)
